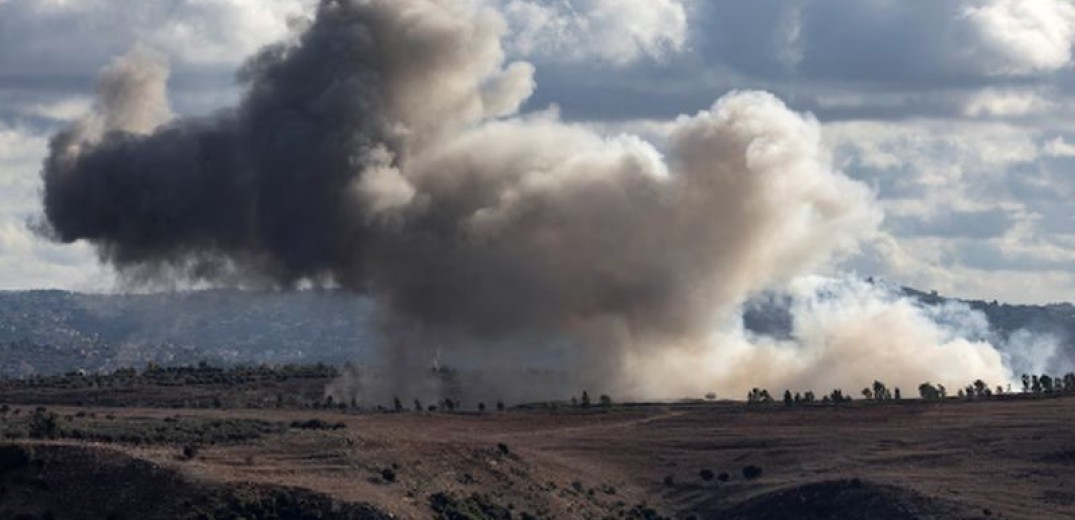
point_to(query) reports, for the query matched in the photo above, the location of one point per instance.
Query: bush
(190, 452)
(724, 476)
(706, 474)
(751, 472)
(388, 475)
(43, 425)
(669, 481)
(317, 424)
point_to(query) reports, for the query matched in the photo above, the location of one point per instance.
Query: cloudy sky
(956, 113)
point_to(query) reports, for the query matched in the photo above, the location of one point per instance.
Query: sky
(956, 113)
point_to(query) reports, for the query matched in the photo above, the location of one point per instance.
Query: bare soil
(988, 459)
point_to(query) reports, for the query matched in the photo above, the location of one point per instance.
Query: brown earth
(990, 459)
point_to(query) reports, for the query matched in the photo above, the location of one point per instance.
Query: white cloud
(618, 31)
(57, 36)
(1059, 147)
(26, 260)
(1006, 103)
(1023, 36)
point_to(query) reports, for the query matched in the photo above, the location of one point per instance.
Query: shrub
(317, 424)
(724, 476)
(190, 451)
(43, 425)
(751, 472)
(669, 481)
(388, 475)
(706, 474)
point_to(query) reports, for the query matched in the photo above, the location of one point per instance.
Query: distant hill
(47, 332)
(57, 331)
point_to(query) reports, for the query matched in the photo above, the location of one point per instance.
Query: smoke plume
(382, 151)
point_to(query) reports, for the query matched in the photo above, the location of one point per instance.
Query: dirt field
(995, 459)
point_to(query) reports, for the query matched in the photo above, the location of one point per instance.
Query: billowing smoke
(381, 151)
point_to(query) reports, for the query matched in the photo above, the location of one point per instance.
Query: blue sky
(956, 113)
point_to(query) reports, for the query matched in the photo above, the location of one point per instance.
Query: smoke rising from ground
(382, 151)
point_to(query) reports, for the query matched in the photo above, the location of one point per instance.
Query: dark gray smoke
(380, 151)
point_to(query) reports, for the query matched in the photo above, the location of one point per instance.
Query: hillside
(56, 331)
(47, 332)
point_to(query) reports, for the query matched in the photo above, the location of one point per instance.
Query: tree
(1026, 383)
(605, 400)
(397, 405)
(585, 399)
(1046, 384)
(417, 405)
(867, 393)
(897, 393)
(809, 397)
(980, 388)
(880, 392)
(759, 396)
(481, 407)
(1035, 384)
(711, 396)
(787, 398)
(499, 405)
(929, 392)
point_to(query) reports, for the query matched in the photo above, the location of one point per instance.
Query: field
(1010, 458)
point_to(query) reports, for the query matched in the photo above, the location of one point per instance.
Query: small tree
(787, 398)
(929, 392)
(500, 405)
(1026, 383)
(896, 394)
(605, 400)
(44, 425)
(417, 405)
(809, 397)
(867, 393)
(1046, 384)
(880, 392)
(397, 405)
(711, 396)
(481, 407)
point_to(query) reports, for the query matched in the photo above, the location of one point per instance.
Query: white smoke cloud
(845, 334)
